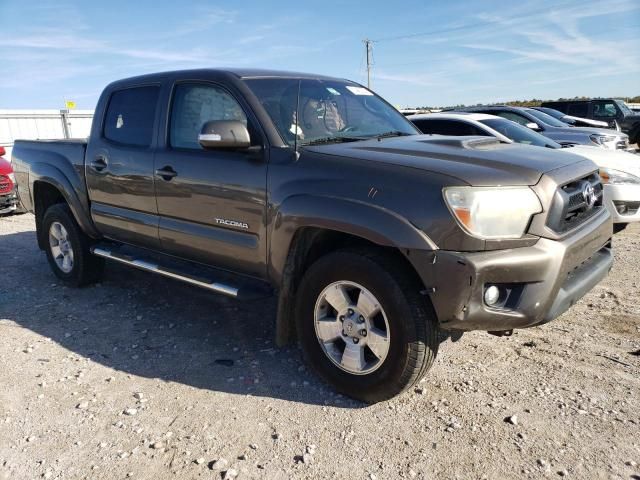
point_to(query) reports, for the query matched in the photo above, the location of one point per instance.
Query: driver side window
(604, 109)
(194, 105)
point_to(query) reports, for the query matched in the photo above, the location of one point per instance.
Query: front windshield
(547, 119)
(518, 133)
(623, 106)
(326, 111)
(551, 112)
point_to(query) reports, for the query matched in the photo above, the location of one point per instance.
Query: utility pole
(368, 45)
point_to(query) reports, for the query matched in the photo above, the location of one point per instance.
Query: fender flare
(365, 220)
(52, 175)
(362, 219)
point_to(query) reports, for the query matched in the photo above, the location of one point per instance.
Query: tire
(634, 136)
(618, 227)
(83, 268)
(405, 319)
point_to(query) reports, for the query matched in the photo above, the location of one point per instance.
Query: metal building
(42, 124)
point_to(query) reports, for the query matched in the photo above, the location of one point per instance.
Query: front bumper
(543, 280)
(623, 201)
(8, 202)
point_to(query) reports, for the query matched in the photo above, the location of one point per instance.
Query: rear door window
(578, 109)
(130, 116)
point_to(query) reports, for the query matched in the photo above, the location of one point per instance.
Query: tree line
(534, 102)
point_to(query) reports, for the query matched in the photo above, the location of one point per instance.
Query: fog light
(491, 295)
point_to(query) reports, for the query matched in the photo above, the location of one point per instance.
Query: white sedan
(619, 170)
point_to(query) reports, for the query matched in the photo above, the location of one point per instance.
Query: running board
(155, 268)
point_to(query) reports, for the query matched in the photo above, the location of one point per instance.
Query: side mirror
(2, 151)
(224, 134)
(533, 126)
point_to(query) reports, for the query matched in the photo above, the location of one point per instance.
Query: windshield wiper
(392, 133)
(322, 140)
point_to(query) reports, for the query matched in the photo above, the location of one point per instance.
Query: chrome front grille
(575, 202)
(5, 185)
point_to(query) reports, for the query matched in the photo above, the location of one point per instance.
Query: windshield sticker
(333, 91)
(296, 130)
(359, 90)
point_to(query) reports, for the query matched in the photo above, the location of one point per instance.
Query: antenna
(296, 120)
(368, 45)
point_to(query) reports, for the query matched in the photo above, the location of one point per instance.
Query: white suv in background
(620, 170)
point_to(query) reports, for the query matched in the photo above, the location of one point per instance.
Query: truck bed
(39, 159)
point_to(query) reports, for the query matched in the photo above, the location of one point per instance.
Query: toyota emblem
(589, 195)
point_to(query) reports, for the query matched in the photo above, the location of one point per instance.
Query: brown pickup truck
(376, 239)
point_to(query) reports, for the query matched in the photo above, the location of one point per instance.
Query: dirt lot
(145, 378)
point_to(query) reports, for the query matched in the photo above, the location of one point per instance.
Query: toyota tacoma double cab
(377, 240)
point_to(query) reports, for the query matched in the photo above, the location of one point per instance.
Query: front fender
(365, 220)
(69, 188)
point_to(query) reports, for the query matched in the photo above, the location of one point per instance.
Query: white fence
(42, 124)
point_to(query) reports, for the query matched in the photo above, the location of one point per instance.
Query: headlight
(616, 177)
(602, 139)
(493, 212)
(12, 177)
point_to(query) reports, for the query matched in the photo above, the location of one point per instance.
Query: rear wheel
(363, 325)
(67, 248)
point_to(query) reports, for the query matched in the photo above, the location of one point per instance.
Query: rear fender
(72, 190)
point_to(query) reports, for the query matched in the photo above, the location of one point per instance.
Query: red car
(8, 198)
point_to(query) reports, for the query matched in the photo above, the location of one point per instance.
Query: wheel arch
(49, 186)
(309, 227)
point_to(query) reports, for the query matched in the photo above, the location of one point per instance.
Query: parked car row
(619, 170)
(555, 129)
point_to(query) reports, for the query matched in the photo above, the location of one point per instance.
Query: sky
(425, 52)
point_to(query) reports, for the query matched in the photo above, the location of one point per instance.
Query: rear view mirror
(533, 126)
(2, 151)
(224, 134)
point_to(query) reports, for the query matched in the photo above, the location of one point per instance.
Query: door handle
(167, 173)
(99, 164)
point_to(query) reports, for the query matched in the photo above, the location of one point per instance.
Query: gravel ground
(142, 377)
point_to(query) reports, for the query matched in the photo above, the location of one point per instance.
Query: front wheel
(364, 326)
(618, 227)
(67, 248)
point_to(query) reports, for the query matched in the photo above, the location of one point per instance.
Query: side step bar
(154, 268)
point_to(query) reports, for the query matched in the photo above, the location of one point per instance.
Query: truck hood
(629, 120)
(616, 159)
(478, 161)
